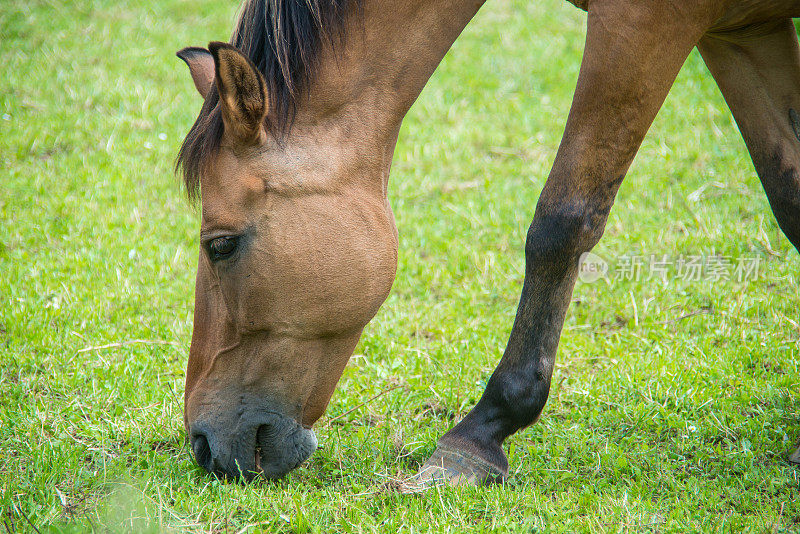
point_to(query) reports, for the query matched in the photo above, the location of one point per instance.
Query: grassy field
(674, 402)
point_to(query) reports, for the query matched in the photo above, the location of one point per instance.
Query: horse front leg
(633, 53)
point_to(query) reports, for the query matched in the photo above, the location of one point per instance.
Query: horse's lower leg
(758, 71)
(633, 52)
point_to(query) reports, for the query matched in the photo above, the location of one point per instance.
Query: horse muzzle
(262, 444)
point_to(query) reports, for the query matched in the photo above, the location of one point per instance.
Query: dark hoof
(452, 467)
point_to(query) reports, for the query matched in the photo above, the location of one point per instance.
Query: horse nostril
(202, 452)
(264, 434)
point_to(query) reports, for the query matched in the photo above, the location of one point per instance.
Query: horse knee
(780, 175)
(564, 231)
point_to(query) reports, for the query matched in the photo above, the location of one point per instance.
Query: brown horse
(292, 151)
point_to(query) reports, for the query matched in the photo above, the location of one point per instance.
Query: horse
(290, 156)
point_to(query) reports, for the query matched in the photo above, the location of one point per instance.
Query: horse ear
(201, 66)
(242, 93)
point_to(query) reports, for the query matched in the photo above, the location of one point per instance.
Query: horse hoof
(795, 457)
(452, 467)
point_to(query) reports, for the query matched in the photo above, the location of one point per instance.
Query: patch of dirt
(436, 409)
(619, 322)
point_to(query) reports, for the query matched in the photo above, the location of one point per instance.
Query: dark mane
(283, 39)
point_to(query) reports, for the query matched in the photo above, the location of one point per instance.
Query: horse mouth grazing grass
(277, 445)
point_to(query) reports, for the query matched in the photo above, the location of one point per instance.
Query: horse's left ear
(242, 93)
(201, 66)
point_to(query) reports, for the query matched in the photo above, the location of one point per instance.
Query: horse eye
(222, 247)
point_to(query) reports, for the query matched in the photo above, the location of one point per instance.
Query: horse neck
(403, 43)
(366, 84)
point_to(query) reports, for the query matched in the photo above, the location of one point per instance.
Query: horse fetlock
(522, 400)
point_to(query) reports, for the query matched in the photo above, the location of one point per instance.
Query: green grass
(654, 423)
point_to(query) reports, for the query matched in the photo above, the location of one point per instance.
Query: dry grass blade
(351, 410)
(129, 342)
